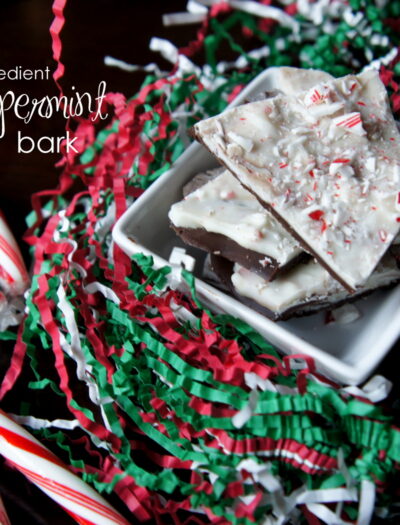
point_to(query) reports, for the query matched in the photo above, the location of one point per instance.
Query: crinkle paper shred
(178, 415)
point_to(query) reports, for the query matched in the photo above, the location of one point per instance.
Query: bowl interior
(347, 352)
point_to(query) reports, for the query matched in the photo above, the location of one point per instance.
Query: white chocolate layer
(306, 283)
(292, 80)
(327, 161)
(223, 206)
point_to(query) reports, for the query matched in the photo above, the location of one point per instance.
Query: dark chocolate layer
(221, 245)
(223, 270)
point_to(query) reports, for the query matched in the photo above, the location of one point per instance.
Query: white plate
(347, 353)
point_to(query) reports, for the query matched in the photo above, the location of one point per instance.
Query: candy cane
(46, 471)
(351, 122)
(13, 274)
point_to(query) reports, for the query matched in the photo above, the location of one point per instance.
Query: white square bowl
(347, 353)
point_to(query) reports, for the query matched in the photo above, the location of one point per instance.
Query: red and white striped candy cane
(13, 275)
(46, 471)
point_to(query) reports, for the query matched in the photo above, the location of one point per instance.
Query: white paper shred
(284, 505)
(327, 495)
(385, 60)
(130, 68)
(367, 502)
(348, 313)
(180, 258)
(195, 15)
(109, 294)
(73, 349)
(326, 515)
(166, 48)
(175, 19)
(266, 11)
(376, 389)
(194, 6)
(241, 417)
(38, 423)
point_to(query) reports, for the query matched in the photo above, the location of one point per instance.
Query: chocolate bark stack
(312, 171)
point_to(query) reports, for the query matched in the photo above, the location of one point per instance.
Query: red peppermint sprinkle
(351, 121)
(316, 215)
(283, 164)
(316, 96)
(382, 235)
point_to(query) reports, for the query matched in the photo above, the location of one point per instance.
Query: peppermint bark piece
(305, 289)
(222, 217)
(325, 163)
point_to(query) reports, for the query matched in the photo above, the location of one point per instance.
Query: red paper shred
(16, 364)
(195, 46)
(107, 177)
(279, 448)
(55, 30)
(311, 518)
(235, 92)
